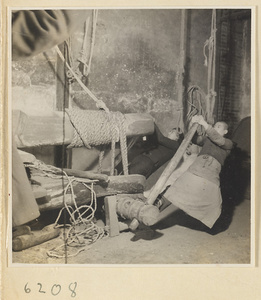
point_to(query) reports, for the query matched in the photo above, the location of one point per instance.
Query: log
(20, 230)
(35, 238)
(130, 208)
(124, 184)
(31, 131)
(168, 171)
(86, 174)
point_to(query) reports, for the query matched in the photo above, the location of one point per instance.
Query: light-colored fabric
(207, 167)
(197, 196)
(197, 191)
(35, 31)
(24, 206)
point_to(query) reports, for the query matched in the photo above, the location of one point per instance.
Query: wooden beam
(33, 131)
(181, 85)
(123, 184)
(173, 163)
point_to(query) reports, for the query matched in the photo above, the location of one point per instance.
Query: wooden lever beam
(52, 129)
(168, 171)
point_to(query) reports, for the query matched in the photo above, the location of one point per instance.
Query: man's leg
(166, 212)
(166, 208)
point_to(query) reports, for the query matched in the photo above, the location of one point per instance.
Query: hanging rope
(100, 104)
(196, 105)
(210, 63)
(83, 54)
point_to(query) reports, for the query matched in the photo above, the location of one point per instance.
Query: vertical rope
(210, 62)
(62, 166)
(123, 143)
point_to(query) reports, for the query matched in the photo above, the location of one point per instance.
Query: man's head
(221, 127)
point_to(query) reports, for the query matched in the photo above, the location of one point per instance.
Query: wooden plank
(111, 215)
(172, 165)
(42, 130)
(56, 129)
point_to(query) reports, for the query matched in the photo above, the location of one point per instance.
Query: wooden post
(61, 157)
(111, 215)
(182, 64)
(62, 85)
(218, 66)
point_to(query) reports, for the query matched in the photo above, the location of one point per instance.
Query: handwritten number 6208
(55, 290)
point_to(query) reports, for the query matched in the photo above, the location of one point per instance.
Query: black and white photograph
(131, 136)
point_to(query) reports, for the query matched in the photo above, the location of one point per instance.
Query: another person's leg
(24, 206)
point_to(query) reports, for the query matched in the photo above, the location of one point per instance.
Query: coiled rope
(81, 230)
(116, 121)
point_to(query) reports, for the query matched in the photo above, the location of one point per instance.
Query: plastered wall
(134, 66)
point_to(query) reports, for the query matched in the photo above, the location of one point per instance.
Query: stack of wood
(123, 196)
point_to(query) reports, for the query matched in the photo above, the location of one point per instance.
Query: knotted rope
(95, 128)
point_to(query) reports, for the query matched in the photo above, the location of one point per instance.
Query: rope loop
(81, 230)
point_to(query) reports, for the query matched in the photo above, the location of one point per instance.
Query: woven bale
(93, 128)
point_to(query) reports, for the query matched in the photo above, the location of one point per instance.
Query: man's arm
(213, 135)
(219, 140)
(35, 31)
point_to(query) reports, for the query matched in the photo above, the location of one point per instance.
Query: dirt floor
(179, 239)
